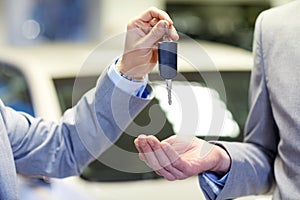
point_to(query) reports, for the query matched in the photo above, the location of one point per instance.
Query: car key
(167, 59)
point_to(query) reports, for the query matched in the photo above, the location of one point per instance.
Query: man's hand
(179, 157)
(142, 37)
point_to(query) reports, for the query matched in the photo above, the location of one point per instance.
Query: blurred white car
(46, 80)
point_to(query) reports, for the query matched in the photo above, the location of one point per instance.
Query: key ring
(166, 36)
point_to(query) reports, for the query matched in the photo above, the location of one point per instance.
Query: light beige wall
(279, 2)
(115, 14)
(2, 23)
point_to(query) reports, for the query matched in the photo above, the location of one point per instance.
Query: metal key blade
(169, 89)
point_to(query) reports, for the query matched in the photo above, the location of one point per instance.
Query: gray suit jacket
(270, 154)
(33, 146)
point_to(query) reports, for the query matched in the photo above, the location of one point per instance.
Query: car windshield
(14, 91)
(236, 84)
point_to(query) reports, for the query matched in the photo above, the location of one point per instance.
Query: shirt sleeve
(133, 87)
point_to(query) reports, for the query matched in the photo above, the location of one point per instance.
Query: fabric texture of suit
(32, 146)
(268, 160)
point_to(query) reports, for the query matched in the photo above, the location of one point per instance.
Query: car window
(236, 85)
(64, 88)
(14, 91)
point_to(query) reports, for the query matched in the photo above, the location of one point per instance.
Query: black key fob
(167, 59)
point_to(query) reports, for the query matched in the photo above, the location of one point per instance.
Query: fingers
(153, 12)
(147, 153)
(160, 16)
(170, 139)
(140, 150)
(157, 33)
(153, 24)
(165, 159)
(173, 33)
(170, 153)
(160, 157)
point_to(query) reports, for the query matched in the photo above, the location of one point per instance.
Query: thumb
(170, 139)
(156, 33)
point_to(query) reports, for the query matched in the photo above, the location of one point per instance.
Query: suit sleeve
(83, 133)
(251, 169)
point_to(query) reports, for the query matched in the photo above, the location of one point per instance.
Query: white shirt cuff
(131, 87)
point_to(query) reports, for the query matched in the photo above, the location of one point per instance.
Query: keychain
(167, 59)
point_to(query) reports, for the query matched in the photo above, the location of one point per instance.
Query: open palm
(178, 157)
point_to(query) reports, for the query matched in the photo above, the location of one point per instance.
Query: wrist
(128, 74)
(223, 162)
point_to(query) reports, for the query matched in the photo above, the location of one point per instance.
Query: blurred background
(31, 22)
(34, 73)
